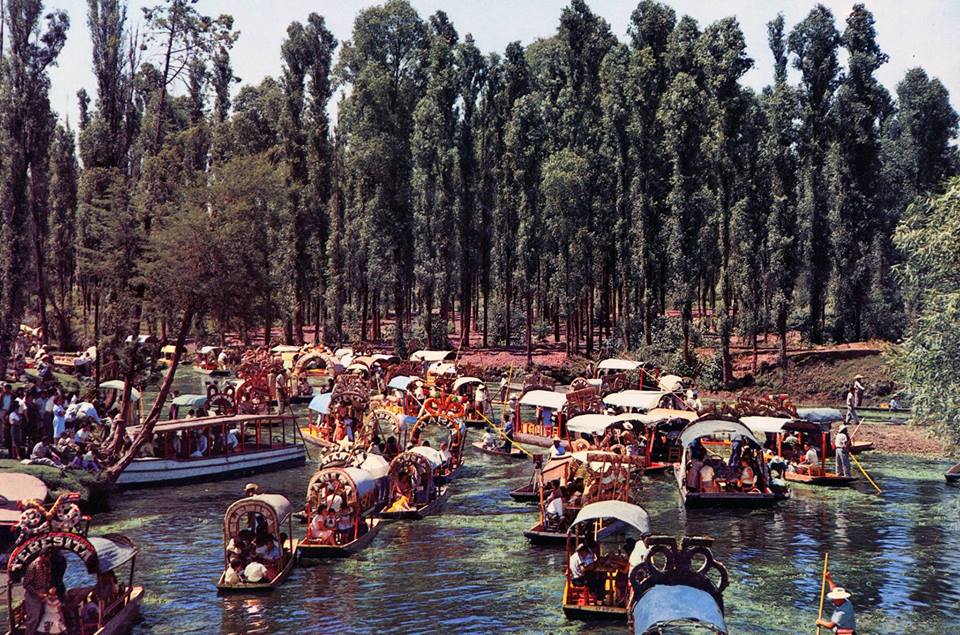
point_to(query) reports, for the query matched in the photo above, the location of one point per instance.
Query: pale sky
(913, 33)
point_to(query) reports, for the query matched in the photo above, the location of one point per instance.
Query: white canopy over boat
(206, 350)
(433, 456)
(590, 423)
(544, 399)
(631, 514)
(463, 381)
(117, 384)
(711, 427)
(442, 368)
(285, 348)
(615, 363)
(671, 383)
(430, 356)
(638, 399)
(376, 465)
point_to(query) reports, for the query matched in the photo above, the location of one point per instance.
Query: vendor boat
(103, 556)
(685, 593)
(727, 488)
(598, 588)
(342, 503)
(272, 513)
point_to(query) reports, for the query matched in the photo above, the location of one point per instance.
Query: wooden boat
(414, 493)
(514, 453)
(271, 511)
(724, 491)
(826, 417)
(776, 430)
(263, 443)
(341, 502)
(677, 595)
(111, 555)
(349, 400)
(528, 493)
(612, 477)
(609, 567)
(953, 474)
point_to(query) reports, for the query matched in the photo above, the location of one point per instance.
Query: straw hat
(627, 425)
(251, 487)
(838, 593)
(858, 376)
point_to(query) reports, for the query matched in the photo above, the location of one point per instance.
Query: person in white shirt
(232, 441)
(480, 398)
(489, 440)
(706, 478)
(255, 572)
(581, 575)
(555, 507)
(810, 462)
(222, 360)
(693, 401)
(638, 552)
(233, 574)
(445, 455)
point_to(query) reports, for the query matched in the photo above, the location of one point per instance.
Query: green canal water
(470, 570)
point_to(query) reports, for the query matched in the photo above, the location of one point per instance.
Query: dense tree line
(579, 189)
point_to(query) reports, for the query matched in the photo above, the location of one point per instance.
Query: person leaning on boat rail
(557, 449)
(843, 620)
(842, 444)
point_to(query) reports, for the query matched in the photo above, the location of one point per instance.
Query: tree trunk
(529, 336)
(146, 428)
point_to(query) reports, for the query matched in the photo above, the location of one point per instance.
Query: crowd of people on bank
(50, 426)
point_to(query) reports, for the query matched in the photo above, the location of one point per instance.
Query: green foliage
(929, 367)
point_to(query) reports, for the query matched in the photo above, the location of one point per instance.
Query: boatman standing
(842, 444)
(851, 416)
(843, 620)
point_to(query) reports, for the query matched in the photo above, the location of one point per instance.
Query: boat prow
(953, 474)
(525, 494)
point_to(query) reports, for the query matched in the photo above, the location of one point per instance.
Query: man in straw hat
(251, 489)
(842, 620)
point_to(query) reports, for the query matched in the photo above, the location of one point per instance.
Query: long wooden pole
(852, 456)
(823, 588)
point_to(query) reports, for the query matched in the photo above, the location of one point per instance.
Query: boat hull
(525, 494)
(829, 480)
(341, 551)
(259, 587)
(124, 620)
(513, 454)
(431, 508)
(538, 536)
(148, 472)
(590, 612)
(722, 499)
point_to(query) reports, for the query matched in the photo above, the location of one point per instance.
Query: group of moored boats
(371, 426)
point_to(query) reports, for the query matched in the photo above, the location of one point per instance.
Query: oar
(823, 587)
(854, 457)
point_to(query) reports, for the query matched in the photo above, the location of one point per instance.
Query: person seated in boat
(321, 529)
(490, 440)
(200, 444)
(581, 574)
(345, 526)
(810, 464)
(241, 546)
(748, 478)
(575, 490)
(895, 403)
(89, 612)
(445, 456)
(268, 552)
(256, 572)
(233, 574)
(553, 510)
(557, 449)
(708, 473)
(843, 620)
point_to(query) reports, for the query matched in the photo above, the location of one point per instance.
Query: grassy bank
(93, 493)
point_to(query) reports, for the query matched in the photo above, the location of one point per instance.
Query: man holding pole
(843, 619)
(842, 444)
